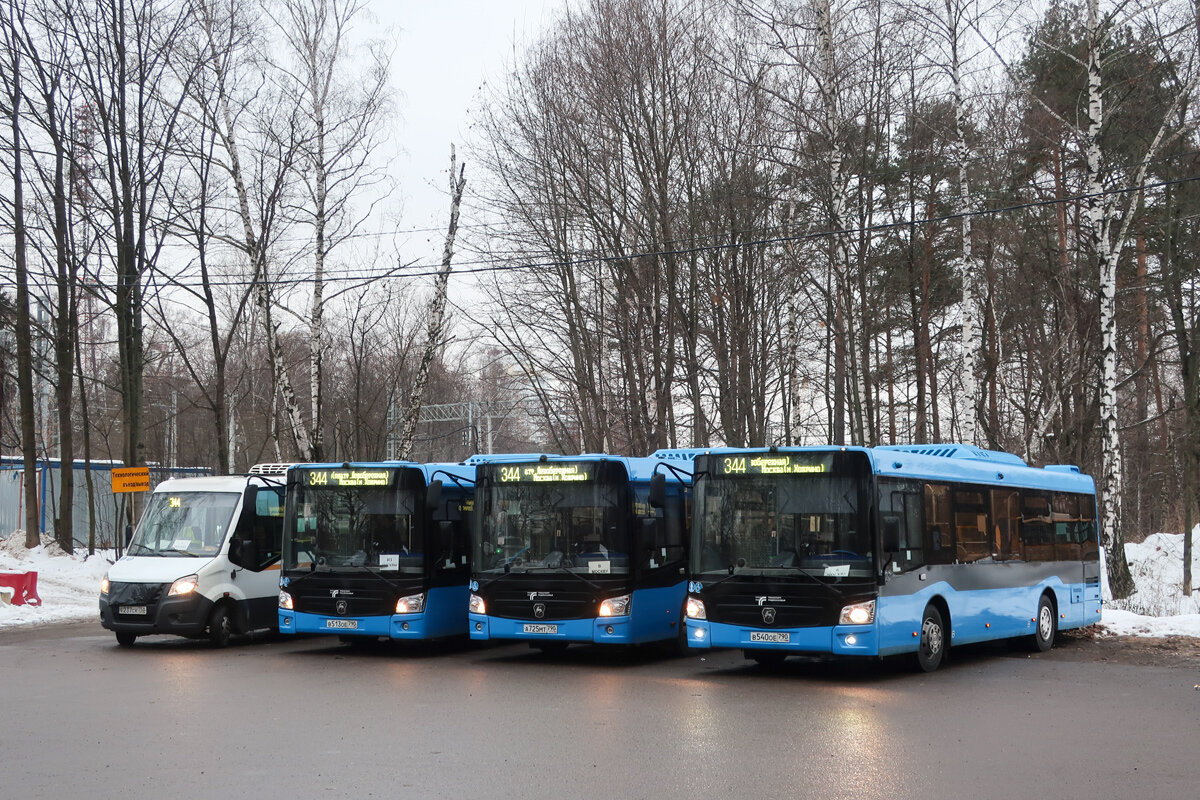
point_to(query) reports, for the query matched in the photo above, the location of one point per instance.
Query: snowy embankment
(69, 587)
(1158, 607)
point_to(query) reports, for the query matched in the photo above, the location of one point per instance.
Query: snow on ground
(70, 587)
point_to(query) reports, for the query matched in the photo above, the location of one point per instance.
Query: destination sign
(348, 478)
(773, 464)
(545, 473)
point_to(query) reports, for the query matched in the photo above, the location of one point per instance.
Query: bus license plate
(770, 636)
(535, 628)
(139, 610)
(342, 624)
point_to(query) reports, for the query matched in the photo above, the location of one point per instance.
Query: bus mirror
(658, 490)
(433, 495)
(250, 500)
(891, 534)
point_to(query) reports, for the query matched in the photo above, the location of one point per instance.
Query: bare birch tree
(436, 315)
(343, 111)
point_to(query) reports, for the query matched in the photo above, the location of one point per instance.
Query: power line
(584, 260)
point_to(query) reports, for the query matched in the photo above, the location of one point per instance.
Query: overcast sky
(445, 51)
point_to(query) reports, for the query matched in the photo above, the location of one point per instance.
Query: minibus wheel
(126, 639)
(220, 627)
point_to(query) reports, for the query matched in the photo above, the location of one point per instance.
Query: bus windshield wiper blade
(731, 574)
(827, 586)
(574, 575)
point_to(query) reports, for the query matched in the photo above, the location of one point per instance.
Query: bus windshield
(578, 527)
(184, 524)
(773, 525)
(354, 528)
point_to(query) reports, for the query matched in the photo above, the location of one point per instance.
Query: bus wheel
(220, 627)
(1047, 626)
(126, 639)
(932, 649)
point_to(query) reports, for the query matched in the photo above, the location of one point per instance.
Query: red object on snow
(24, 586)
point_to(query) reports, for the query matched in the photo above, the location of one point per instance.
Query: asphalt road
(276, 718)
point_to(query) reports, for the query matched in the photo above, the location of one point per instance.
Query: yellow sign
(545, 473)
(131, 479)
(343, 478)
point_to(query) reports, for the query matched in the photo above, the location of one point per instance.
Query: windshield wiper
(572, 574)
(801, 570)
(731, 574)
(184, 552)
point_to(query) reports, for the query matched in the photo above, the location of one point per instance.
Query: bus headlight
(185, 585)
(858, 614)
(285, 602)
(413, 604)
(104, 586)
(695, 609)
(615, 606)
(477, 605)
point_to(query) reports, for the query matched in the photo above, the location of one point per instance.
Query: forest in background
(689, 223)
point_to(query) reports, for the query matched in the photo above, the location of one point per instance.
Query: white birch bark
(842, 320)
(437, 314)
(255, 248)
(968, 268)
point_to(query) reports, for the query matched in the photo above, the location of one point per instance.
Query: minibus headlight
(104, 586)
(285, 602)
(615, 606)
(858, 614)
(413, 604)
(695, 609)
(185, 585)
(477, 605)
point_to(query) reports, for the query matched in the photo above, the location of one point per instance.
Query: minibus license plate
(141, 610)
(770, 636)
(342, 624)
(535, 628)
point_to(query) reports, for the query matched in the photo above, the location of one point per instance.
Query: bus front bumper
(840, 640)
(598, 630)
(395, 626)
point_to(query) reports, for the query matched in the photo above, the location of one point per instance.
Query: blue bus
(588, 548)
(374, 550)
(849, 551)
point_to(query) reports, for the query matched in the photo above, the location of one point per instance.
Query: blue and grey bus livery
(888, 550)
(376, 550)
(578, 549)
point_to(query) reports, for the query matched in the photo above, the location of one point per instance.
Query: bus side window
(938, 536)
(900, 517)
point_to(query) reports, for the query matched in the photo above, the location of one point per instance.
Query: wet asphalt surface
(296, 718)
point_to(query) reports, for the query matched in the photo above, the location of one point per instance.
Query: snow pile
(68, 585)
(1157, 568)
(1157, 606)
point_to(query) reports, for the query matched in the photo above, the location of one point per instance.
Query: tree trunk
(23, 328)
(1099, 213)
(437, 311)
